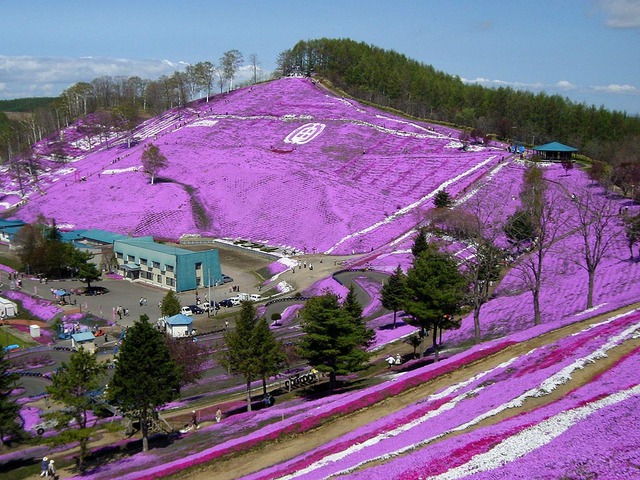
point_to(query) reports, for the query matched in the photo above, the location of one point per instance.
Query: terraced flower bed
(418, 441)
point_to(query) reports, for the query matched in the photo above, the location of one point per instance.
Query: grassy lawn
(9, 261)
(8, 338)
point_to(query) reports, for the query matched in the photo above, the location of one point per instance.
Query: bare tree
(543, 206)
(202, 74)
(255, 66)
(475, 224)
(594, 220)
(230, 63)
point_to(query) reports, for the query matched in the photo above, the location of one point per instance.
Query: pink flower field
(351, 178)
(288, 164)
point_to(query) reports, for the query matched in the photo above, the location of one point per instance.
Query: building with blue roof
(9, 229)
(166, 266)
(555, 151)
(178, 325)
(85, 340)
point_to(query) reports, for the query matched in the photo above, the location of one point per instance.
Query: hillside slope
(282, 162)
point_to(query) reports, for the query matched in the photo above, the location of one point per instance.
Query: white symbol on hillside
(305, 133)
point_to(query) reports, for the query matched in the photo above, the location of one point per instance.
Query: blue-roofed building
(85, 340)
(179, 325)
(9, 229)
(166, 266)
(100, 244)
(555, 151)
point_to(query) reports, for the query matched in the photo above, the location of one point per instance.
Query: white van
(235, 301)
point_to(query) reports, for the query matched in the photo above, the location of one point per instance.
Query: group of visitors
(48, 468)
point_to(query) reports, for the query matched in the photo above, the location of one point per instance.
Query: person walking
(194, 419)
(51, 472)
(218, 415)
(44, 467)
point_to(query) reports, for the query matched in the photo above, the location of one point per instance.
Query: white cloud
(565, 85)
(613, 88)
(46, 76)
(622, 13)
(25, 76)
(559, 86)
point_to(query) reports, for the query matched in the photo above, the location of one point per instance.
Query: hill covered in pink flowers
(284, 162)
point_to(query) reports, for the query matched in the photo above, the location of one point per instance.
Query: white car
(186, 311)
(205, 306)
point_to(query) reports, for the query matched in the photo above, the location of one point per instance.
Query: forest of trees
(115, 104)
(391, 79)
(369, 73)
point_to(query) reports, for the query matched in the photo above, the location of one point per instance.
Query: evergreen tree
(71, 386)
(351, 305)
(335, 342)
(519, 228)
(87, 271)
(482, 270)
(170, 304)
(442, 199)
(394, 291)
(10, 421)
(435, 289)
(420, 243)
(269, 352)
(239, 357)
(145, 376)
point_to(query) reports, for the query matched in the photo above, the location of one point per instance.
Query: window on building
(169, 268)
(156, 265)
(159, 279)
(131, 258)
(199, 266)
(119, 255)
(170, 281)
(143, 261)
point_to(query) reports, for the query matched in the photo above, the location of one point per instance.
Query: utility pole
(209, 296)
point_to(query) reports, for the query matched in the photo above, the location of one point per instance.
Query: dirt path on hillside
(271, 453)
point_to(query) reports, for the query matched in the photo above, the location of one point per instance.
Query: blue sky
(587, 50)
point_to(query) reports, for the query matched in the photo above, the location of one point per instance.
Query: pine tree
(269, 352)
(420, 243)
(145, 377)
(71, 386)
(394, 291)
(239, 357)
(170, 304)
(351, 305)
(435, 289)
(10, 421)
(335, 342)
(442, 199)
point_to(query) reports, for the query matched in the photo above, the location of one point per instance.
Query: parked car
(235, 301)
(226, 303)
(186, 311)
(206, 307)
(226, 278)
(196, 309)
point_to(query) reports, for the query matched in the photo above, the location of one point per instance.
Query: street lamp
(209, 290)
